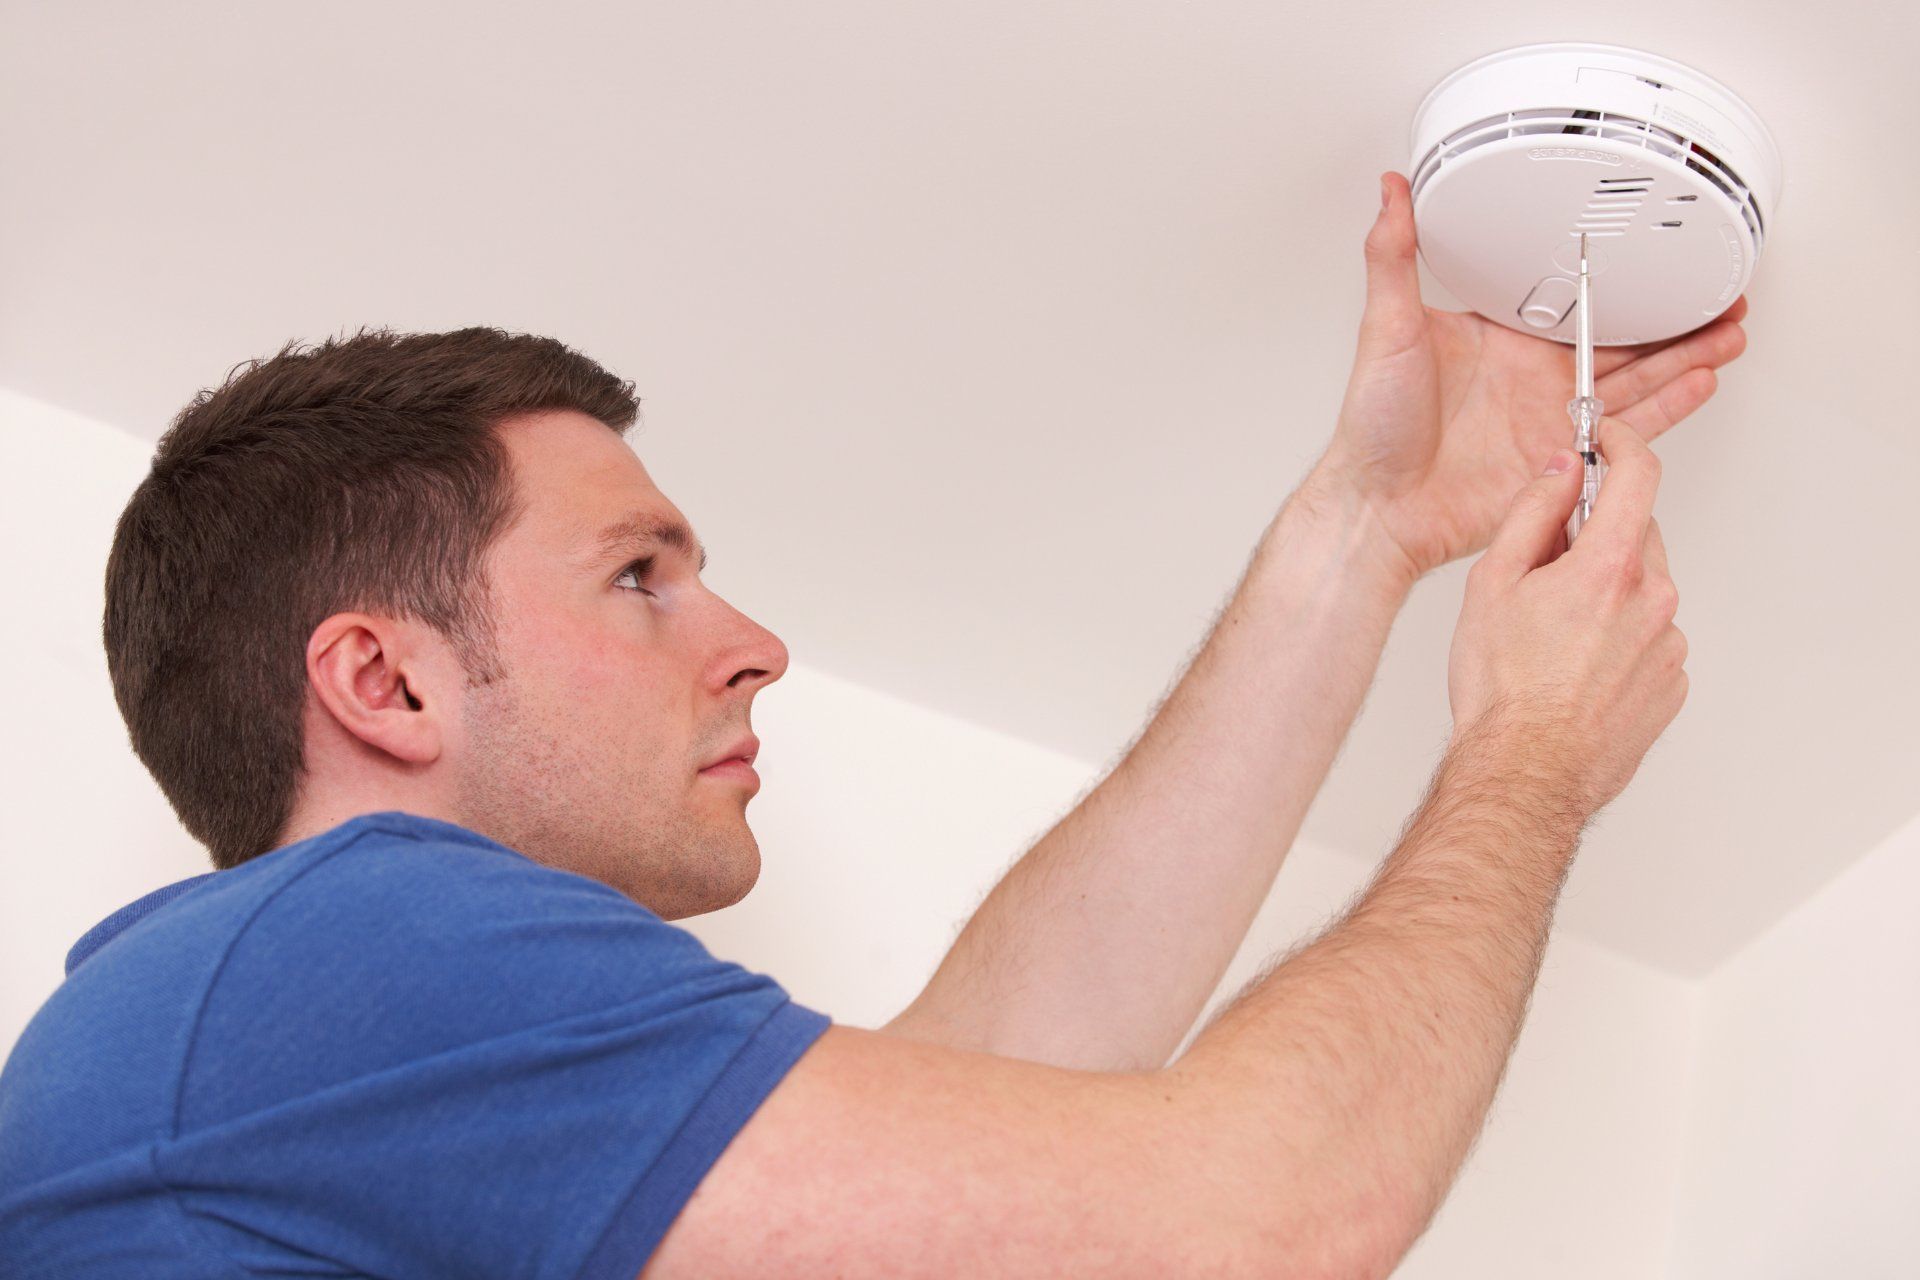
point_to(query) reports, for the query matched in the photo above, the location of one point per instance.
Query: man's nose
(754, 656)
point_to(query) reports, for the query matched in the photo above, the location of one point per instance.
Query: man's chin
(725, 882)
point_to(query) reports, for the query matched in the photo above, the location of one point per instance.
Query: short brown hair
(364, 473)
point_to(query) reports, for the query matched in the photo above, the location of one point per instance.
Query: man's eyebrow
(638, 531)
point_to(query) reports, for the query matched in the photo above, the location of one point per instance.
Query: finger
(1608, 360)
(1625, 502)
(1394, 317)
(1530, 534)
(1653, 416)
(1719, 343)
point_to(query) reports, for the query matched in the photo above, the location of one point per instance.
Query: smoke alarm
(1672, 178)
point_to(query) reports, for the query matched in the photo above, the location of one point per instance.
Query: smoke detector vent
(1672, 178)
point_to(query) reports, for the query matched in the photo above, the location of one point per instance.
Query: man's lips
(744, 751)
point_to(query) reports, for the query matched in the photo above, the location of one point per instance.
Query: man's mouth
(738, 757)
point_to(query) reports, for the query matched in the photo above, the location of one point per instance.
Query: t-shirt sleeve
(439, 1060)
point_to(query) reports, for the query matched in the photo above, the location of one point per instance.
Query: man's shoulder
(416, 879)
(388, 940)
(395, 878)
(414, 940)
(412, 903)
(372, 1013)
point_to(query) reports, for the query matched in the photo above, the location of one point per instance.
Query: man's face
(619, 684)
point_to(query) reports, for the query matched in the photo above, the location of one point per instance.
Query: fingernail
(1561, 460)
(1384, 193)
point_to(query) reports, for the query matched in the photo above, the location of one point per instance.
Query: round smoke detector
(1672, 178)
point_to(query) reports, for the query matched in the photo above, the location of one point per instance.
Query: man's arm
(1103, 942)
(1308, 1134)
(1101, 945)
(1313, 1128)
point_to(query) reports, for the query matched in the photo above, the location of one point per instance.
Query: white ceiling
(980, 341)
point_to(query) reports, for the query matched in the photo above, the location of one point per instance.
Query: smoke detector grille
(1670, 176)
(1613, 206)
(1597, 124)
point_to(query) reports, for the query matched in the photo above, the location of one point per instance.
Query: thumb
(1394, 316)
(1530, 535)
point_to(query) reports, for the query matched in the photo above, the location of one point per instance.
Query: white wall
(1803, 1157)
(83, 829)
(881, 825)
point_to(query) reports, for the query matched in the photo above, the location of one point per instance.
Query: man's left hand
(1447, 413)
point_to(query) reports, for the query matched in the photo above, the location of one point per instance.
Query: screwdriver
(1585, 407)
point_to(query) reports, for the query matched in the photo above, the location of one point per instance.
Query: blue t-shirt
(397, 1049)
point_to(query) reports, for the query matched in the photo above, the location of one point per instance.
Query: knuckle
(1483, 585)
(1620, 568)
(1666, 597)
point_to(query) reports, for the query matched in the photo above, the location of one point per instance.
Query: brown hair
(365, 474)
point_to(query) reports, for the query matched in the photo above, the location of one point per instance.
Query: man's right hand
(1569, 657)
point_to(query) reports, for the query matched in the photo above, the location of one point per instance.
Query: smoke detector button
(1549, 302)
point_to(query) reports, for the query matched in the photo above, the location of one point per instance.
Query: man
(412, 642)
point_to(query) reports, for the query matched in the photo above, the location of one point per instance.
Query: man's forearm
(1372, 1053)
(1102, 944)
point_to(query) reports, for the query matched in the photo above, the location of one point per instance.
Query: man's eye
(639, 569)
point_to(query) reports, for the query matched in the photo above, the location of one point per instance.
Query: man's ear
(370, 674)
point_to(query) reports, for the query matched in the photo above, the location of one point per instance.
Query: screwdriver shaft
(1585, 407)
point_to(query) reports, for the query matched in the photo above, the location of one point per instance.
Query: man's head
(379, 574)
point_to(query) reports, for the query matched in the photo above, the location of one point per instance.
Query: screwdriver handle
(1585, 412)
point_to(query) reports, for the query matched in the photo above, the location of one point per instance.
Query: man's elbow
(1312, 1252)
(1286, 1207)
